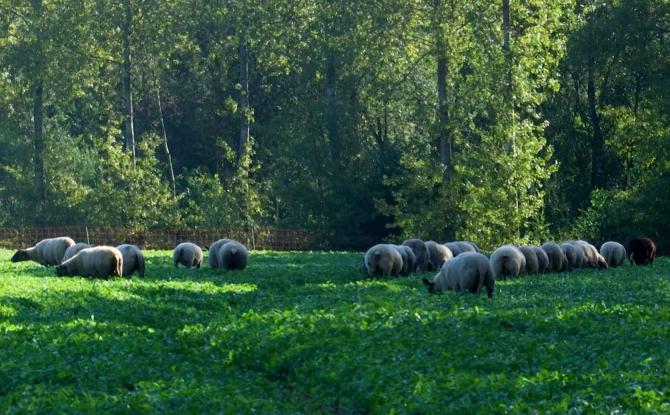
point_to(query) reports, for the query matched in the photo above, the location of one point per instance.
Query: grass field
(309, 333)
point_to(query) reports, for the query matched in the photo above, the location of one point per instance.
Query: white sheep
(438, 254)
(572, 255)
(532, 263)
(213, 258)
(408, 259)
(469, 273)
(72, 251)
(97, 262)
(420, 252)
(188, 254)
(46, 252)
(454, 247)
(613, 253)
(467, 246)
(593, 257)
(542, 260)
(506, 261)
(232, 256)
(383, 260)
(133, 259)
(557, 260)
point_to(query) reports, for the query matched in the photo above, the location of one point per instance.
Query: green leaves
(309, 333)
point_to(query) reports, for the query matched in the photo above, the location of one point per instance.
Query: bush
(624, 214)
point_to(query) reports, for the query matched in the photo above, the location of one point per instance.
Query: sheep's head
(20, 255)
(602, 264)
(61, 270)
(430, 285)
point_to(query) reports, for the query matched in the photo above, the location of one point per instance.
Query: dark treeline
(493, 121)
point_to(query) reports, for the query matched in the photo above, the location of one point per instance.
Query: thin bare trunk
(507, 39)
(38, 109)
(597, 143)
(444, 136)
(165, 140)
(444, 132)
(245, 127)
(127, 80)
(331, 107)
(38, 139)
(509, 93)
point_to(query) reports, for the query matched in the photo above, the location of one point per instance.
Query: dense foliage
(310, 333)
(493, 121)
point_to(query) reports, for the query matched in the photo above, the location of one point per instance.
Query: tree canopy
(368, 120)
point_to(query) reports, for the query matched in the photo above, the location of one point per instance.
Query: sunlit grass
(310, 333)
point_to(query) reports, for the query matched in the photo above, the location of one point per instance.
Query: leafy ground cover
(309, 333)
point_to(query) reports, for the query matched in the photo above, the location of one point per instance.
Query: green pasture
(310, 333)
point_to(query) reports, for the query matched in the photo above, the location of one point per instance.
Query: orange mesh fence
(259, 239)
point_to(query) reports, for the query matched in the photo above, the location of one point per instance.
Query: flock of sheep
(462, 266)
(84, 260)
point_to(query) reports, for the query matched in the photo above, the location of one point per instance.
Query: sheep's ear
(427, 282)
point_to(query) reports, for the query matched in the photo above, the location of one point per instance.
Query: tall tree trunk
(509, 96)
(444, 136)
(127, 79)
(509, 86)
(38, 139)
(245, 127)
(331, 107)
(165, 141)
(38, 110)
(598, 141)
(444, 132)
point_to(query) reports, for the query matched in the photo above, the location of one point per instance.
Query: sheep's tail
(140, 265)
(119, 267)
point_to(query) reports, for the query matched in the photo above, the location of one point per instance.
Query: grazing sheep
(473, 245)
(506, 261)
(642, 251)
(420, 252)
(468, 272)
(573, 256)
(614, 253)
(133, 259)
(72, 251)
(542, 260)
(467, 246)
(437, 255)
(591, 256)
(408, 259)
(97, 262)
(47, 251)
(233, 256)
(557, 259)
(580, 252)
(454, 247)
(383, 260)
(532, 263)
(188, 254)
(212, 257)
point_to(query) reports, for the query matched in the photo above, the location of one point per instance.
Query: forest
(505, 121)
